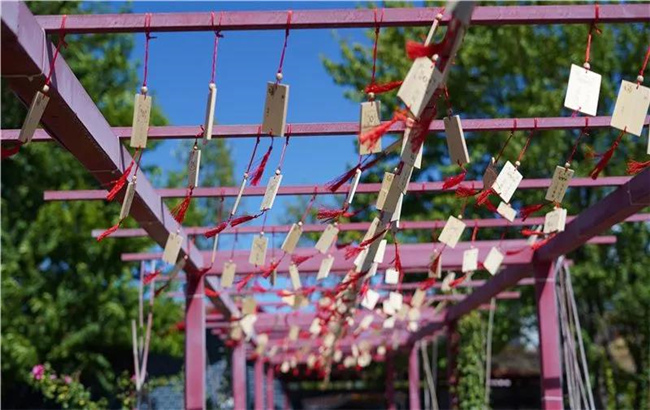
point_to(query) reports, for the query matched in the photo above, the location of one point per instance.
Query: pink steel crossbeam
(347, 18)
(336, 129)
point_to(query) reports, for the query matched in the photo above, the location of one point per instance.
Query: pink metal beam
(390, 380)
(344, 18)
(414, 188)
(238, 370)
(195, 343)
(270, 387)
(414, 377)
(259, 383)
(355, 226)
(337, 129)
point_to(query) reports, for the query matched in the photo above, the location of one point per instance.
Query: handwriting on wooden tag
(209, 113)
(294, 331)
(33, 118)
(583, 90)
(631, 107)
(489, 176)
(369, 119)
(325, 267)
(291, 241)
(391, 276)
(493, 260)
(410, 155)
(470, 260)
(258, 250)
(228, 274)
(271, 192)
(381, 250)
(561, 179)
(141, 114)
(249, 306)
(456, 140)
(507, 182)
(294, 275)
(555, 220)
(275, 109)
(506, 211)
(419, 85)
(172, 248)
(327, 238)
(370, 299)
(385, 187)
(128, 200)
(353, 186)
(193, 168)
(418, 298)
(435, 271)
(452, 231)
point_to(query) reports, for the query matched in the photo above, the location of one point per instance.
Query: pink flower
(67, 379)
(38, 371)
(53, 377)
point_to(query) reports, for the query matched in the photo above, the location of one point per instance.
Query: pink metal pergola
(73, 120)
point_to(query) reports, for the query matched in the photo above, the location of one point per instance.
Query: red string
(374, 49)
(583, 132)
(217, 36)
(474, 232)
(530, 137)
(512, 132)
(645, 64)
(309, 205)
(234, 243)
(284, 147)
(286, 39)
(591, 30)
(147, 26)
(60, 44)
(450, 111)
(257, 143)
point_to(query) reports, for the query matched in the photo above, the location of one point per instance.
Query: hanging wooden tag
(370, 118)
(294, 331)
(338, 355)
(349, 361)
(128, 200)
(289, 300)
(261, 340)
(385, 187)
(366, 322)
(389, 323)
(327, 238)
(325, 267)
(452, 231)
(398, 211)
(387, 308)
(561, 179)
(404, 177)
(294, 275)
(329, 339)
(172, 248)
(247, 325)
(33, 118)
(435, 271)
(395, 299)
(414, 314)
(418, 298)
(372, 271)
(506, 211)
(249, 306)
(555, 220)
(361, 257)
(193, 168)
(493, 261)
(271, 192)
(370, 299)
(470, 260)
(236, 332)
(372, 229)
(445, 287)
(239, 195)
(391, 197)
(631, 108)
(456, 140)
(311, 361)
(141, 114)
(275, 109)
(419, 85)
(391, 276)
(291, 241)
(315, 327)
(355, 350)
(583, 90)
(228, 274)
(507, 182)
(408, 156)
(209, 113)
(258, 250)
(489, 176)
(284, 368)
(381, 250)
(353, 186)
(412, 326)
(402, 312)
(272, 351)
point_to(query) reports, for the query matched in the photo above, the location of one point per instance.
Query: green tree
(522, 71)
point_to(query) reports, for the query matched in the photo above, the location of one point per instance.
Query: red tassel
(371, 137)
(340, 246)
(242, 219)
(325, 213)
(634, 167)
(516, 251)
(606, 157)
(211, 293)
(297, 259)
(590, 153)
(398, 262)
(464, 192)
(416, 50)
(334, 185)
(454, 180)
(530, 232)
(457, 282)
(527, 211)
(257, 288)
(214, 231)
(353, 251)
(150, 277)
(9, 152)
(490, 206)
(242, 283)
(267, 271)
(483, 197)
(382, 88)
(427, 284)
(119, 183)
(180, 210)
(371, 240)
(259, 171)
(109, 231)
(364, 289)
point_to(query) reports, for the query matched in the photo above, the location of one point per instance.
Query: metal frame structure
(74, 121)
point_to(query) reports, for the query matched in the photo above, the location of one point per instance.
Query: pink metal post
(270, 387)
(238, 368)
(259, 383)
(390, 380)
(453, 344)
(549, 337)
(414, 378)
(195, 343)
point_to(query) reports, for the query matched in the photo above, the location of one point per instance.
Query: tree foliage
(522, 71)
